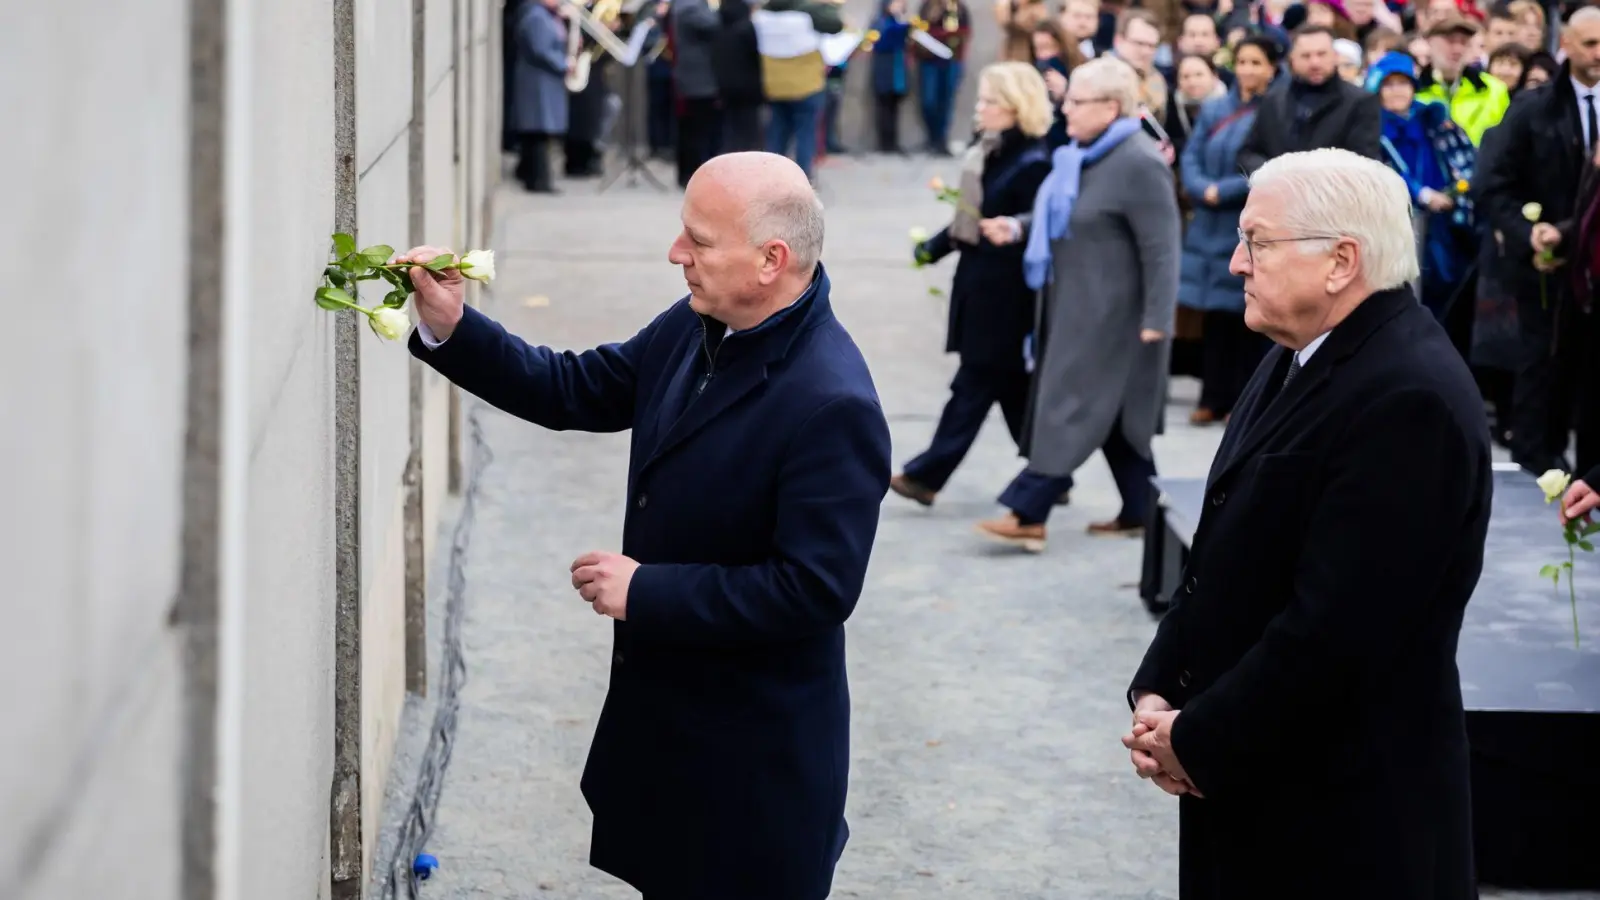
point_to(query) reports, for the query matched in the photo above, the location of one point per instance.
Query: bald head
(1581, 40)
(775, 198)
(752, 237)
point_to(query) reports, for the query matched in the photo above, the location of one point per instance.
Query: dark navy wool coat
(759, 463)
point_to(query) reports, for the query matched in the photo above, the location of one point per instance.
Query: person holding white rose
(760, 460)
(1300, 696)
(991, 306)
(1525, 190)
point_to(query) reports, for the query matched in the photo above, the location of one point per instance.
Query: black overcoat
(991, 305)
(1311, 646)
(719, 765)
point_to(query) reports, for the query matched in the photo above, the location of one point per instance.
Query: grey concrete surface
(987, 685)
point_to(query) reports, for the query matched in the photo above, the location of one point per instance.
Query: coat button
(643, 501)
(1190, 585)
(1219, 498)
(1183, 678)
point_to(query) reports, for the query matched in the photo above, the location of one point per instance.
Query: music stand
(632, 164)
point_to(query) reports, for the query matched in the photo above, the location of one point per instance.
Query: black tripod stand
(632, 164)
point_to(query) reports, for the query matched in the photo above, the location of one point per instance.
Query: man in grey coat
(538, 90)
(1104, 243)
(694, 30)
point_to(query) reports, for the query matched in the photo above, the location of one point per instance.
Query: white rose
(1554, 484)
(918, 235)
(478, 265)
(390, 323)
(1532, 212)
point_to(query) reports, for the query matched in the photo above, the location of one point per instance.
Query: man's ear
(775, 257)
(1346, 266)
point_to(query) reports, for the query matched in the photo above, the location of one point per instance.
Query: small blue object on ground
(424, 865)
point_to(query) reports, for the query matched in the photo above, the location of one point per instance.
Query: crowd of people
(1486, 112)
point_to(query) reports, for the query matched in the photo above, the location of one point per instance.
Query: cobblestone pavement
(987, 685)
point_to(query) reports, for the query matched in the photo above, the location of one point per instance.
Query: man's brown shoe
(1115, 528)
(1008, 530)
(1202, 416)
(911, 490)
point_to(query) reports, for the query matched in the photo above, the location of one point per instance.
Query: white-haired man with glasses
(1301, 696)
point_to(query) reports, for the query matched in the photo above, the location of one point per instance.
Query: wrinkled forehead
(708, 209)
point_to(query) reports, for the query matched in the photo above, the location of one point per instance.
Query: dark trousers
(1555, 390)
(533, 161)
(697, 136)
(886, 120)
(972, 393)
(795, 123)
(741, 127)
(833, 99)
(660, 123)
(1031, 495)
(1229, 354)
(937, 84)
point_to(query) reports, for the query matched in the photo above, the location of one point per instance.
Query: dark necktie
(1588, 124)
(1294, 369)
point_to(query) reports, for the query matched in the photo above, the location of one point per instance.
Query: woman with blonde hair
(1103, 245)
(991, 306)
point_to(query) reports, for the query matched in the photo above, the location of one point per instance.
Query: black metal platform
(1532, 698)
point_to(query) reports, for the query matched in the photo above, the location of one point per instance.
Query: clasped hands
(1150, 747)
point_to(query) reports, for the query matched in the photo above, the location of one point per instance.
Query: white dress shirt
(1303, 355)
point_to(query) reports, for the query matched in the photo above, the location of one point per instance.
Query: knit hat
(1392, 63)
(1348, 51)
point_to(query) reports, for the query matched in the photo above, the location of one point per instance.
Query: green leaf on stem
(377, 254)
(1585, 545)
(440, 262)
(395, 298)
(355, 264)
(394, 277)
(343, 245)
(1591, 528)
(334, 298)
(336, 276)
(1569, 536)
(1551, 572)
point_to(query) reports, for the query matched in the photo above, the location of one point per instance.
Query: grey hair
(1582, 15)
(1336, 192)
(1112, 79)
(793, 217)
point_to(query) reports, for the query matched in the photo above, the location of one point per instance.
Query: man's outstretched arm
(562, 390)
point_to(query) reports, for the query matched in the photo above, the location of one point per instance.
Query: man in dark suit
(1545, 144)
(1301, 695)
(1313, 108)
(760, 458)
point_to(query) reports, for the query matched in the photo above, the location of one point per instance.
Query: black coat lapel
(1343, 342)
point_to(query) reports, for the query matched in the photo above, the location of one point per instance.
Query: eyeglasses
(1250, 243)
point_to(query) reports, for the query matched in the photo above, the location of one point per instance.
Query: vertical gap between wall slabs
(345, 810)
(416, 660)
(195, 614)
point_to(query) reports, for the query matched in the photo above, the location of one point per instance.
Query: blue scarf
(1052, 206)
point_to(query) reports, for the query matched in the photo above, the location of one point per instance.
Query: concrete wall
(177, 427)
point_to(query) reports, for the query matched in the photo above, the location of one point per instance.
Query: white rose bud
(390, 323)
(918, 235)
(478, 265)
(1532, 212)
(1554, 484)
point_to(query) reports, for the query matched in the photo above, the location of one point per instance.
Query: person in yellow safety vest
(1477, 100)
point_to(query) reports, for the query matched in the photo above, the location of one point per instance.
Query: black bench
(1532, 698)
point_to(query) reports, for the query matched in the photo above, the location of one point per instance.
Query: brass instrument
(597, 25)
(577, 63)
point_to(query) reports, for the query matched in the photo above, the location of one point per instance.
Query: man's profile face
(1138, 45)
(719, 264)
(1312, 60)
(1582, 43)
(1284, 284)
